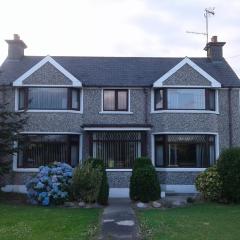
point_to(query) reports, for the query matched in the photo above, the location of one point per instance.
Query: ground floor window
(117, 149)
(184, 150)
(42, 149)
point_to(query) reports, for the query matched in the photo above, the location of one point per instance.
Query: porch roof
(120, 127)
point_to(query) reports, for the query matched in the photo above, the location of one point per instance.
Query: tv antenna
(207, 13)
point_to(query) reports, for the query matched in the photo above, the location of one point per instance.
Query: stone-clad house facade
(181, 112)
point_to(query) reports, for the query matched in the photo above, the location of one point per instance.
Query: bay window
(185, 150)
(39, 150)
(115, 100)
(184, 99)
(49, 98)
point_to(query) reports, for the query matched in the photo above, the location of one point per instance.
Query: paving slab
(119, 221)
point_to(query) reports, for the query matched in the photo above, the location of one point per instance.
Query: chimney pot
(214, 39)
(16, 37)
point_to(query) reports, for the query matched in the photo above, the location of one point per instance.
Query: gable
(188, 76)
(186, 73)
(47, 72)
(47, 75)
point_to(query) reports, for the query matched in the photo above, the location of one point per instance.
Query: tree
(11, 124)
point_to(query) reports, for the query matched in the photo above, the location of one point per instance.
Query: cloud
(119, 28)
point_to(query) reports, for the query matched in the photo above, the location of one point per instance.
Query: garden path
(119, 221)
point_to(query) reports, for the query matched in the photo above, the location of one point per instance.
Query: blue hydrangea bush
(50, 186)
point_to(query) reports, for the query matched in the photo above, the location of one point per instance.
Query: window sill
(118, 169)
(185, 111)
(115, 112)
(125, 170)
(29, 170)
(51, 111)
(179, 169)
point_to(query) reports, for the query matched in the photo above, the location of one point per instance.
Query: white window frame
(116, 112)
(15, 156)
(178, 169)
(185, 110)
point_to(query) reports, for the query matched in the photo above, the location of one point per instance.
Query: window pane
(75, 99)
(47, 98)
(74, 155)
(21, 98)
(158, 99)
(159, 155)
(122, 100)
(186, 99)
(109, 100)
(211, 99)
(211, 155)
(201, 155)
(45, 149)
(182, 155)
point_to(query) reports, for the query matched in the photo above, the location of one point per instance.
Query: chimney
(16, 48)
(214, 49)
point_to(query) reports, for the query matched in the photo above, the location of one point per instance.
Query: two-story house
(181, 112)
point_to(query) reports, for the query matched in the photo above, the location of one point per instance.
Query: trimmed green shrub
(104, 188)
(209, 184)
(86, 182)
(141, 162)
(144, 183)
(228, 167)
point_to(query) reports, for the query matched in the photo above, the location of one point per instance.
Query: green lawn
(22, 222)
(197, 222)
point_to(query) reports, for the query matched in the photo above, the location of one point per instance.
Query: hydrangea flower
(49, 185)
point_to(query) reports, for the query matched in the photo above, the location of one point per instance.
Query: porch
(118, 147)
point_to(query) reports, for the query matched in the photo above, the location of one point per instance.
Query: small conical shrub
(144, 182)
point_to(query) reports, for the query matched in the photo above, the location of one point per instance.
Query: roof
(118, 71)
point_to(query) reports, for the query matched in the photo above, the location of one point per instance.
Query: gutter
(146, 105)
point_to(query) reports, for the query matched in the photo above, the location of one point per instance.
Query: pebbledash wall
(178, 180)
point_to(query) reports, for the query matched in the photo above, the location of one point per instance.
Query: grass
(22, 222)
(198, 222)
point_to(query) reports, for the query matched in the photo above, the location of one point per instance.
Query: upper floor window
(184, 99)
(45, 98)
(115, 100)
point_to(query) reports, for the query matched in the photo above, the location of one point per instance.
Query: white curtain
(186, 98)
(122, 100)
(109, 100)
(47, 98)
(200, 154)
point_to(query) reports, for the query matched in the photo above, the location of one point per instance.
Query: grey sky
(120, 27)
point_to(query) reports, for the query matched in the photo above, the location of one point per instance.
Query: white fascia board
(116, 129)
(186, 60)
(60, 133)
(19, 81)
